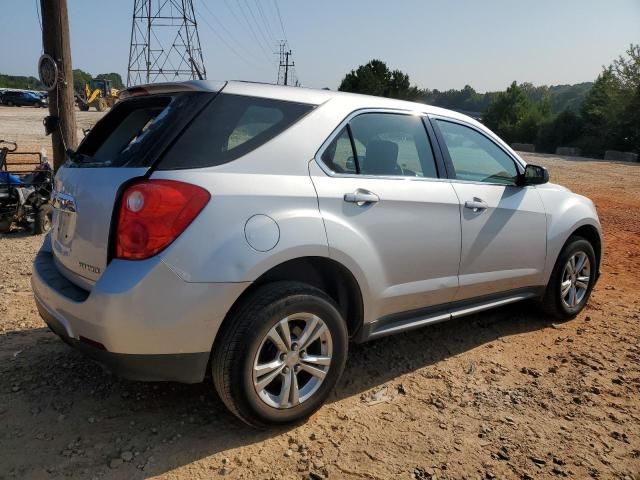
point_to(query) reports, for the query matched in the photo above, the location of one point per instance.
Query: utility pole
(286, 67)
(283, 67)
(56, 43)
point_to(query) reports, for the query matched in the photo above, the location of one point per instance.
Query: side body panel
(407, 244)
(504, 245)
(271, 181)
(215, 248)
(566, 212)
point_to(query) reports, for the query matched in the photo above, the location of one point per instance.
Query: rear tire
(261, 370)
(42, 222)
(572, 279)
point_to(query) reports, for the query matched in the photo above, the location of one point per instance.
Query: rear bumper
(181, 367)
(140, 319)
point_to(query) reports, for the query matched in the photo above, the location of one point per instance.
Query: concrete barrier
(568, 151)
(524, 147)
(618, 156)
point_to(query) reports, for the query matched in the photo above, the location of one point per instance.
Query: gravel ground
(24, 124)
(504, 394)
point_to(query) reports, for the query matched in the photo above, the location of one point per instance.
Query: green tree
(79, 79)
(505, 111)
(116, 79)
(563, 130)
(627, 71)
(516, 118)
(611, 110)
(17, 81)
(375, 78)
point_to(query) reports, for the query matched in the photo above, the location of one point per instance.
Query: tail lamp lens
(153, 213)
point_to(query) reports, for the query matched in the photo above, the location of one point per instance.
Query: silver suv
(253, 230)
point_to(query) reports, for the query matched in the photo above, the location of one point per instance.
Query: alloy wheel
(575, 279)
(292, 361)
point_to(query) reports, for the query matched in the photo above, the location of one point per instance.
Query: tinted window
(392, 144)
(230, 127)
(475, 157)
(338, 156)
(135, 131)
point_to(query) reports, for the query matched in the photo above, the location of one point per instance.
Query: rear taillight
(153, 213)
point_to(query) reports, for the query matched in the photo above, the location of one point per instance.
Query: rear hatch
(121, 147)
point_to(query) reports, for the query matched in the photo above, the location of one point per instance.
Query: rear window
(230, 127)
(136, 131)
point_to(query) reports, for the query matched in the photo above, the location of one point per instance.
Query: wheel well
(325, 274)
(589, 232)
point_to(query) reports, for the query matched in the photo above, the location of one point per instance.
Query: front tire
(101, 105)
(572, 279)
(280, 355)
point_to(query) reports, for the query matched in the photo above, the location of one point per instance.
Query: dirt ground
(24, 124)
(505, 394)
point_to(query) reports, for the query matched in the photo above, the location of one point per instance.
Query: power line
(284, 33)
(267, 41)
(228, 32)
(38, 14)
(266, 22)
(244, 26)
(230, 47)
(246, 19)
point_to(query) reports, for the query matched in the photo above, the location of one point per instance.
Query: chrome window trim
(338, 130)
(476, 182)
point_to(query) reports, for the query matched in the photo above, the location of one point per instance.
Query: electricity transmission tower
(165, 45)
(285, 75)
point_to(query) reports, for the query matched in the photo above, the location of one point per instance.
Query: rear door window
(338, 156)
(230, 127)
(392, 144)
(386, 144)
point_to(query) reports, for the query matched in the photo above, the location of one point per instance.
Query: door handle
(477, 205)
(361, 197)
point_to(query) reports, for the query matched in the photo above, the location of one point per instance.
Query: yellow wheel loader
(99, 95)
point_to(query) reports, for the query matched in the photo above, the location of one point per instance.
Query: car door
(503, 224)
(388, 217)
(11, 98)
(26, 99)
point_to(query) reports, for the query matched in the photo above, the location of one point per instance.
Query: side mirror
(534, 175)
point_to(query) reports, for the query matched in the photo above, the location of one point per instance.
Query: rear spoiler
(172, 87)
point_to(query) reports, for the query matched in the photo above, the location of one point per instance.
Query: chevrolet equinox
(252, 231)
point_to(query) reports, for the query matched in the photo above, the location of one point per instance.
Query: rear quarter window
(229, 127)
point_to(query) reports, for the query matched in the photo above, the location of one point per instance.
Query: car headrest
(381, 158)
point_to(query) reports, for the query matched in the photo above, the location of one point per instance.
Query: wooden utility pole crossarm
(56, 42)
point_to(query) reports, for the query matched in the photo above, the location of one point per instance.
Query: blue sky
(441, 44)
